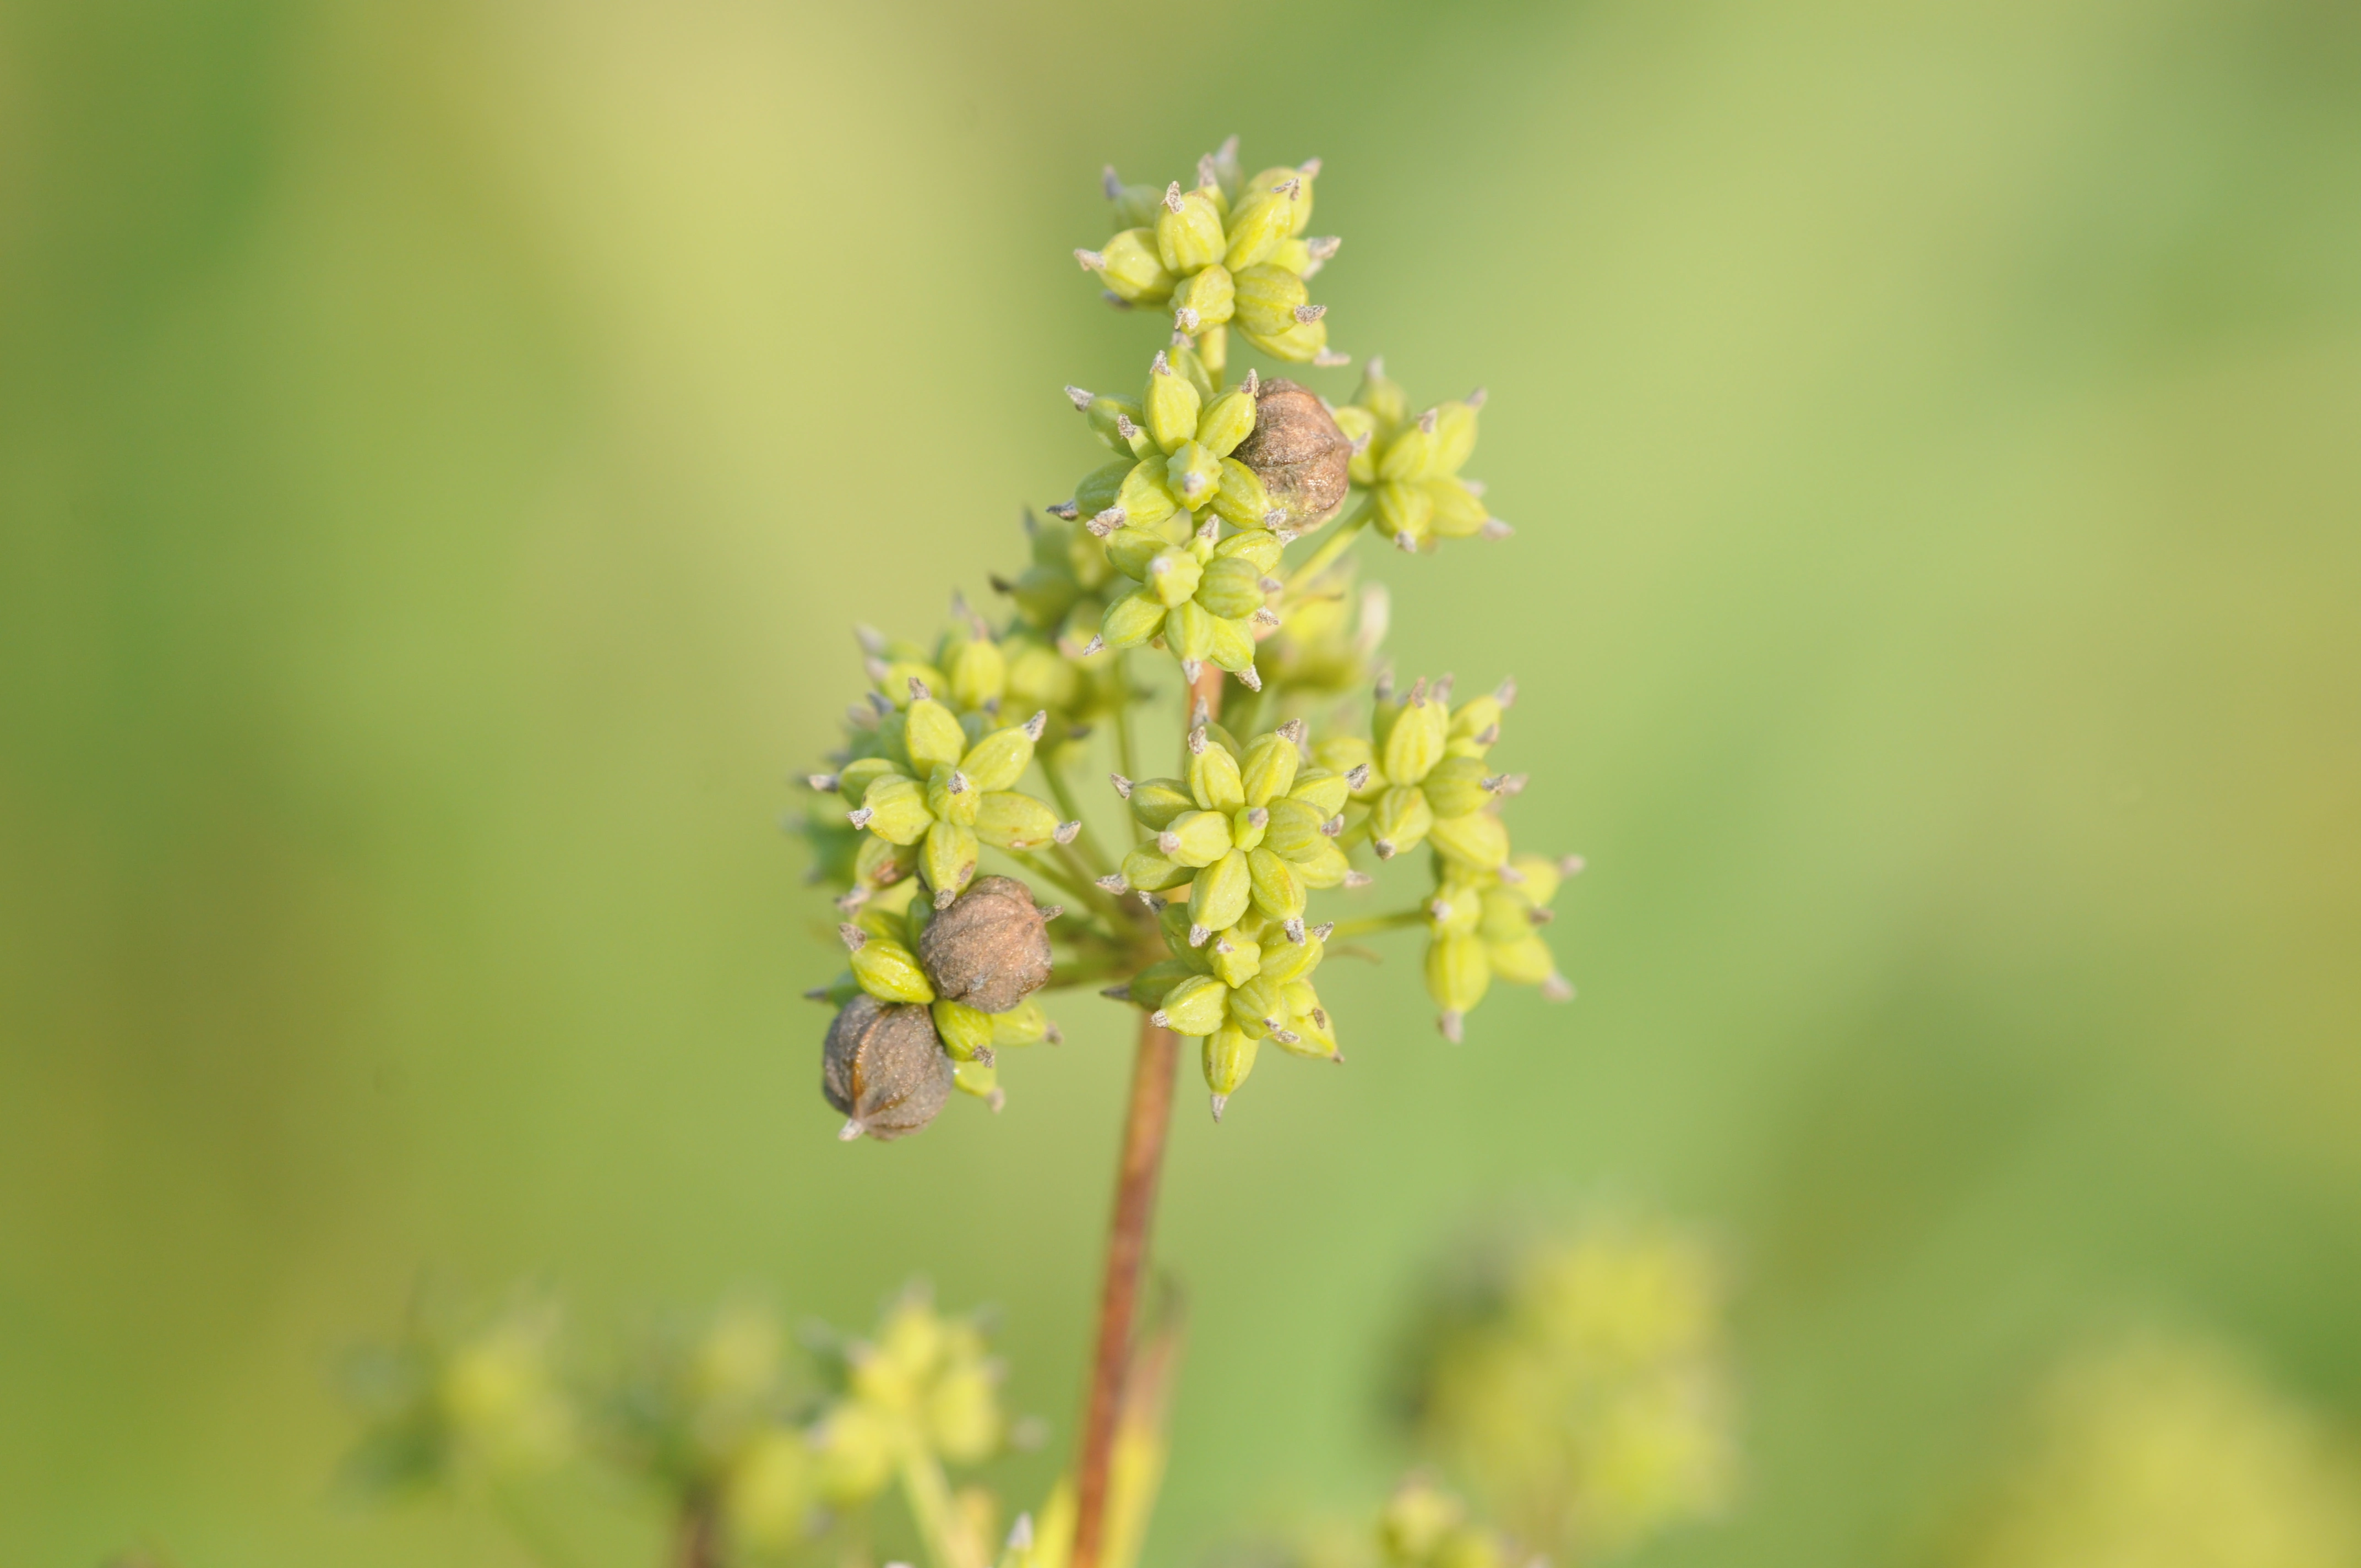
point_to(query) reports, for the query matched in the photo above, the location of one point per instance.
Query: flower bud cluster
(1424, 1526)
(923, 1387)
(1230, 252)
(1408, 464)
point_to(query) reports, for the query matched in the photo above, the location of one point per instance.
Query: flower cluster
(1229, 252)
(1408, 466)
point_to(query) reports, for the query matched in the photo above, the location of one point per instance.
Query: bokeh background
(441, 447)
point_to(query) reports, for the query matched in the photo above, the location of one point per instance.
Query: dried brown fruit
(990, 948)
(884, 1069)
(1298, 452)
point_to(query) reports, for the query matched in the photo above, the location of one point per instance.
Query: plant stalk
(1145, 1126)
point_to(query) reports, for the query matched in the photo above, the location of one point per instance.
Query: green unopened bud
(1221, 893)
(885, 968)
(1262, 222)
(1212, 772)
(1478, 840)
(1118, 421)
(1399, 821)
(1172, 576)
(1172, 403)
(1266, 299)
(1310, 1021)
(978, 672)
(1538, 877)
(1409, 455)
(1145, 500)
(1278, 885)
(1235, 957)
(1243, 500)
(1324, 792)
(1008, 820)
(1196, 839)
(1134, 205)
(1149, 871)
(1454, 433)
(1359, 426)
(894, 809)
(1188, 230)
(1382, 397)
(948, 858)
(1132, 619)
(1455, 786)
(1302, 344)
(977, 1078)
(965, 1030)
(1285, 960)
(1156, 801)
(1151, 986)
(934, 737)
(854, 782)
(1524, 962)
(1453, 510)
(1269, 768)
(1100, 486)
(1188, 630)
(881, 863)
(1294, 827)
(1258, 1008)
(952, 796)
(1131, 549)
(1227, 421)
(1194, 1006)
(1193, 473)
(1000, 759)
(1457, 975)
(1132, 265)
(1341, 754)
(1324, 866)
(1230, 588)
(1229, 1056)
(1507, 916)
(1413, 742)
(1204, 300)
(1232, 647)
(1471, 719)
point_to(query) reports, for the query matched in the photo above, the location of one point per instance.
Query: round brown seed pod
(1297, 452)
(884, 1069)
(990, 949)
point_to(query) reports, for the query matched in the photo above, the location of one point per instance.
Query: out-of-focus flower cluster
(1580, 1387)
(2166, 1451)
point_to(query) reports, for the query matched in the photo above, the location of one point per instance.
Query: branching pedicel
(1307, 754)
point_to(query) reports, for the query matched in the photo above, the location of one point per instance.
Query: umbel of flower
(1062, 591)
(926, 1388)
(1231, 252)
(1483, 925)
(932, 788)
(1251, 828)
(1424, 778)
(1408, 464)
(1202, 597)
(1250, 983)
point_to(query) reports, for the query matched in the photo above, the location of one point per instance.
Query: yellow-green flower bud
(1266, 300)
(1507, 915)
(1193, 473)
(1454, 511)
(1261, 223)
(1235, 957)
(1023, 1024)
(1541, 877)
(1258, 1008)
(1229, 1056)
(894, 809)
(1000, 759)
(1196, 839)
(1457, 975)
(1129, 550)
(1151, 986)
(948, 858)
(1456, 910)
(1268, 769)
(1259, 545)
(1172, 576)
(854, 782)
(1204, 301)
(1172, 403)
(1227, 421)
(1146, 499)
(1455, 786)
(1156, 801)
(884, 968)
(977, 670)
(880, 861)
(1188, 230)
(1132, 619)
(1149, 871)
(965, 1030)
(1212, 772)
(978, 1078)
(1278, 885)
(1242, 499)
(1230, 588)
(1118, 421)
(1294, 827)
(1194, 1006)
(952, 796)
(1132, 265)
(1324, 792)
(1413, 743)
(1527, 961)
(934, 737)
(1188, 630)
(1302, 344)
(1008, 820)
(1220, 894)
(1324, 866)
(1100, 488)
(858, 1450)
(1310, 1021)
(1134, 205)
(1399, 821)
(1341, 754)
(1230, 646)
(1455, 433)
(1284, 961)
(1478, 840)
(1478, 719)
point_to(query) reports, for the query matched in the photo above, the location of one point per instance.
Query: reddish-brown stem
(1144, 1127)
(697, 1543)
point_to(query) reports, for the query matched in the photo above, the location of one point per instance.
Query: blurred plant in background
(2166, 1451)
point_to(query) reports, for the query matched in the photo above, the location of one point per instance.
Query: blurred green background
(441, 447)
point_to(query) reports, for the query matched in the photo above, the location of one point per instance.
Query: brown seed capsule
(1297, 452)
(991, 950)
(885, 1068)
